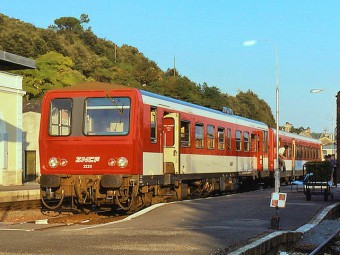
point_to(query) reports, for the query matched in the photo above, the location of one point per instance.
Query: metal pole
(277, 169)
(333, 132)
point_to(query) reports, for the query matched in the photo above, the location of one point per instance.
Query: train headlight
(122, 162)
(53, 162)
(63, 162)
(111, 162)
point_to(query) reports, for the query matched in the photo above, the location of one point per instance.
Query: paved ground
(205, 226)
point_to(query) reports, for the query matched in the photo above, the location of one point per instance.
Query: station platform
(27, 191)
(210, 225)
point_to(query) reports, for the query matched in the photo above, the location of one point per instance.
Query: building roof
(9, 61)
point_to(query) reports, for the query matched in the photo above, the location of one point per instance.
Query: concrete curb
(19, 195)
(275, 239)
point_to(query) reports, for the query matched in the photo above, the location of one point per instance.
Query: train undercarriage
(129, 192)
(132, 192)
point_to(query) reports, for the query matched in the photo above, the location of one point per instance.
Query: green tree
(53, 71)
(250, 106)
(68, 24)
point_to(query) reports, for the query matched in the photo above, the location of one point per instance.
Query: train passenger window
(199, 135)
(60, 117)
(153, 124)
(246, 141)
(185, 133)
(107, 116)
(210, 137)
(221, 140)
(298, 152)
(229, 139)
(238, 140)
(254, 142)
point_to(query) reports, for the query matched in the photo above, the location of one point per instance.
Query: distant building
(287, 127)
(329, 149)
(11, 100)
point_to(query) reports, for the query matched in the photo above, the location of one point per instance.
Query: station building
(11, 118)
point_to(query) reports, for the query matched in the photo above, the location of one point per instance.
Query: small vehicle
(319, 181)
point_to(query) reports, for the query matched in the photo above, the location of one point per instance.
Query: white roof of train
(178, 105)
(296, 136)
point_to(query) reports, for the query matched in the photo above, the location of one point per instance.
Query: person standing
(282, 158)
(333, 160)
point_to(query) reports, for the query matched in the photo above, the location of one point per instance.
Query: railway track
(20, 205)
(330, 246)
(31, 212)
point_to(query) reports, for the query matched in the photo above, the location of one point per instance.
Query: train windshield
(60, 117)
(107, 116)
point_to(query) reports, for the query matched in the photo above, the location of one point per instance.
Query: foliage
(53, 70)
(67, 52)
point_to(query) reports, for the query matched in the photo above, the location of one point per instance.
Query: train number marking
(87, 166)
(87, 159)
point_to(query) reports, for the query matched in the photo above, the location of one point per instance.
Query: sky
(204, 39)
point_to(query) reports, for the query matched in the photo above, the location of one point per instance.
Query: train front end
(90, 148)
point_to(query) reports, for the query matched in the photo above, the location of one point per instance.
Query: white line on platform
(16, 229)
(131, 217)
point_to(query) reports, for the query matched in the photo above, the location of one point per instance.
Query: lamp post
(315, 91)
(277, 169)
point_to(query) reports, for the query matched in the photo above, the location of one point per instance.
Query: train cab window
(210, 137)
(229, 139)
(246, 141)
(153, 124)
(185, 133)
(107, 116)
(221, 139)
(60, 117)
(238, 140)
(199, 135)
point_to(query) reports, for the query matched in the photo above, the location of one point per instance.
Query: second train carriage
(123, 147)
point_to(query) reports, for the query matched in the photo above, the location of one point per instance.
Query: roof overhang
(9, 61)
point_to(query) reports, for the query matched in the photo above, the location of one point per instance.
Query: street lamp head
(249, 43)
(315, 91)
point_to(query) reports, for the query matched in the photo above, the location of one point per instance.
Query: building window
(238, 140)
(221, 139)
(246, 141)
(199, 135)
(210, 137)
(153, 124)
(185, 133)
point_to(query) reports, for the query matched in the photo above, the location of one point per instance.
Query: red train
(110, 145)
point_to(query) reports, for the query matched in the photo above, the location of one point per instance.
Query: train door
(271, 149)
(293, 157)
(171, 143)
(257, 149)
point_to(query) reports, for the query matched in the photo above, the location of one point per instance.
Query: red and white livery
(104, 144)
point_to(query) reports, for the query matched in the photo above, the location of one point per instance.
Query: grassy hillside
(67, 53)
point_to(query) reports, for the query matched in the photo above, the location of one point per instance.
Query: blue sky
(205, 37)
